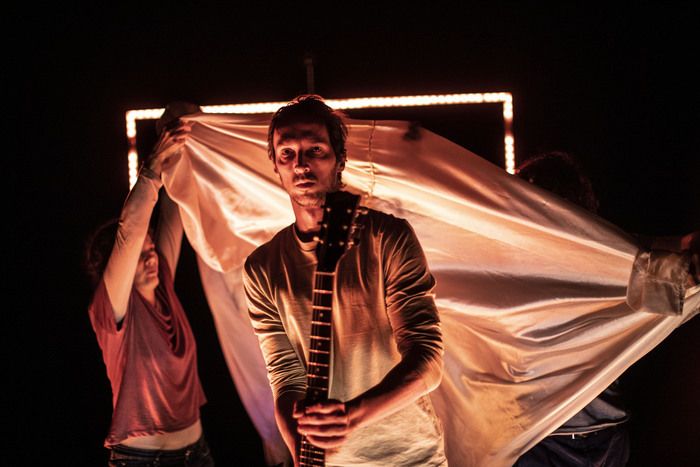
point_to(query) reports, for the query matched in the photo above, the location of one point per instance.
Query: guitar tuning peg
(317, 238)
(329, 209)
(325, 225)
(344, 227)
(341, 243)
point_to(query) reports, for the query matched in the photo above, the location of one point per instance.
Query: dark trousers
(194, 455)
(603, 448)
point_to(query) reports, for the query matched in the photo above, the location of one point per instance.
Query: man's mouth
(304, 183)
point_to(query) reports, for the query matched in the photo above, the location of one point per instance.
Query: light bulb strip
(504, 98)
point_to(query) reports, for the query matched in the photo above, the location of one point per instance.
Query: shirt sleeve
(101, 313)
(284, 368)
(110, 334)
(410, 303)
(658, 282)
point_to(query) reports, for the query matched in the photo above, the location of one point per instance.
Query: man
(147, 344)
(597, 435)
(386, 341)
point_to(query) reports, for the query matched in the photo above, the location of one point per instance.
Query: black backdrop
(611, 85)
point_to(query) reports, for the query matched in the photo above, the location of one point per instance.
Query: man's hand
(325, 424)
(171, 140)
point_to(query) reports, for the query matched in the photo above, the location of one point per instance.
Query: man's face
(146, 277)
(306, 163)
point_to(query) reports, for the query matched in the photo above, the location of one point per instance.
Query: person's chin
(308, 199)
(153, 281)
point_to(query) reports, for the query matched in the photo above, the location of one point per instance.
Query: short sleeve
(101, 311)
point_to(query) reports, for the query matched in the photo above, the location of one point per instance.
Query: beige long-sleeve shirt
(383, 311)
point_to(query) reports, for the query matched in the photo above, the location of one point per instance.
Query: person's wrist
(354, 409)
(148, 171)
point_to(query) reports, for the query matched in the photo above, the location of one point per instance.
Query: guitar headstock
(340, 228)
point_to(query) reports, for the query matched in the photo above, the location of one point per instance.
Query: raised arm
(169, 232)
(134, 219)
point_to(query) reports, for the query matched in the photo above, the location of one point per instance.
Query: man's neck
(308, 219)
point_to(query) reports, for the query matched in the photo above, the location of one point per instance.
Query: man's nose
(300, 164)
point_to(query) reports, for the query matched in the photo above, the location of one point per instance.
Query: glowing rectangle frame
(504, 98)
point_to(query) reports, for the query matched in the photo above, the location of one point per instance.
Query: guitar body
(337, 235)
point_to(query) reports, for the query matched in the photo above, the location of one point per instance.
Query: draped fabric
(532, 290)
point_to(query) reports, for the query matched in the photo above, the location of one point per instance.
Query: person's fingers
(326, 407)
(326, 442)
(171, 125)
(336, 433)
(178, 132)
(298, 410)
(337, 418)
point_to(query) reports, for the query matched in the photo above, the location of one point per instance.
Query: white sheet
(531, 289)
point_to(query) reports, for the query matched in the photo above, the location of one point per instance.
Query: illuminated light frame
(504, 98)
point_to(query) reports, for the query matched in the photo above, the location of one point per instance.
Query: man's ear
(274, 162)
(341, 163)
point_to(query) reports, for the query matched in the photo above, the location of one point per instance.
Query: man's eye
(286, 154)
(316, 150)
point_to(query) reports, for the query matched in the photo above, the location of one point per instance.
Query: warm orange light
(510, 153)
(504, 98)
(133, 166)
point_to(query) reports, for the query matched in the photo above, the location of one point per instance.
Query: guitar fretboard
(318, 372)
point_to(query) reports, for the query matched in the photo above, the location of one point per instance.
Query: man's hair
(561, 174)
(98, 249)
(310, 108)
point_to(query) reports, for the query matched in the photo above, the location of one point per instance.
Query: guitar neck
(318, 373)
(337, 234)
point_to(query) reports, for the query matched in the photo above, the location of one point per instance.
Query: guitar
(338, 234)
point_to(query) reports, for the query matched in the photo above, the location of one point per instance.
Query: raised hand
(171, 140)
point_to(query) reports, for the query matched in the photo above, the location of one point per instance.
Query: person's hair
(561, 174)
(310, 108)
(98, 249)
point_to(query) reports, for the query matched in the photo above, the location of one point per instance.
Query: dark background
(613, 86)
